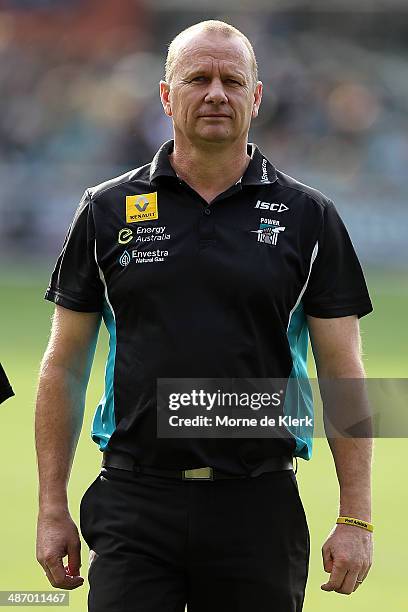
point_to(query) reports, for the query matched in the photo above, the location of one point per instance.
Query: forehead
(205, 48)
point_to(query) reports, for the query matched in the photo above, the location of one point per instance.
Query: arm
(64, 375)
(347, 553)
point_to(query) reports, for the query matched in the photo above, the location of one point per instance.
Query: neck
(212, 164)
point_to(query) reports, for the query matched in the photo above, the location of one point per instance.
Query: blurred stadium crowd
(79, 104)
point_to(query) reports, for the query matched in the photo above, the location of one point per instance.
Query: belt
(123, 461)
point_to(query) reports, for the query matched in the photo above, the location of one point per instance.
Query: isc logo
(274, 206)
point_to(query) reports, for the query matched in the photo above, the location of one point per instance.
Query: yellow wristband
(348, 520)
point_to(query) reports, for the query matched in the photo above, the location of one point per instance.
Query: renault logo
(142, 203)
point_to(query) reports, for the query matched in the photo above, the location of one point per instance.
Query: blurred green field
(25, 320)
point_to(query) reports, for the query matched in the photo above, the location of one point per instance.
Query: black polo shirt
(189, 289)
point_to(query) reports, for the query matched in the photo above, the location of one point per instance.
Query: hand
(347, 556)
(57, 536)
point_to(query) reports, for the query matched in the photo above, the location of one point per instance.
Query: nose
(216, 93)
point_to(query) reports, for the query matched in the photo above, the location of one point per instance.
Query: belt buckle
(203, 473)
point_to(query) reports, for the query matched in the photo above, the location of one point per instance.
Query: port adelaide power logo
(270, 229)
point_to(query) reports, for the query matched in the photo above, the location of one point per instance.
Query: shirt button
(207, 211)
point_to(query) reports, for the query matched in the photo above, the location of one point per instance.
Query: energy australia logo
(124, 259)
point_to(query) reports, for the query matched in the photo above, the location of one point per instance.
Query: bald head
(179, 45)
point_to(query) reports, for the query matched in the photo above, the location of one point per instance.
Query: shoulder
(302, 194)
(118, 183)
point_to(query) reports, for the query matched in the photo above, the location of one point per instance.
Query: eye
(198, 78)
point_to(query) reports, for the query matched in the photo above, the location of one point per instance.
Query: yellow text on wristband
(348, 520)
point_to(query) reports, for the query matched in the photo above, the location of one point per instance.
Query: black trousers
(159, 544)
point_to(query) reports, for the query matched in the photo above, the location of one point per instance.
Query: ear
(165, 97)
(257, 99)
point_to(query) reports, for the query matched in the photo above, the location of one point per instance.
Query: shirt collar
(260, 171)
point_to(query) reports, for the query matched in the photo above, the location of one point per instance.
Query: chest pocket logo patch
(268, 231)
(141, 207)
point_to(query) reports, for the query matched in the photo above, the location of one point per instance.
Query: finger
(363, 574)
(359, 582)
(57, 570)
(336, 578)
(365, 571)
(58, 586)
(74, 558)
(327, 560)
(49, 576)
(60, 578)
(349, 582)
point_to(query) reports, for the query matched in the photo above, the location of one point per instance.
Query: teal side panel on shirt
(299, 397)
(104, 424)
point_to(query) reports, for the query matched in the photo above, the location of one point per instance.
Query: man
(206, 263)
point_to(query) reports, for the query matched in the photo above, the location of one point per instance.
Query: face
(212, 97)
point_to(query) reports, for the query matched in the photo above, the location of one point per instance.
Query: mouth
(215, 116)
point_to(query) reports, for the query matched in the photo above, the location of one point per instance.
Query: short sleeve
(336, 286)
(75, 282)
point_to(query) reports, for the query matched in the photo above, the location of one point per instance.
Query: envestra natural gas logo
(143, 257)
(124, 259)
(264, 177)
